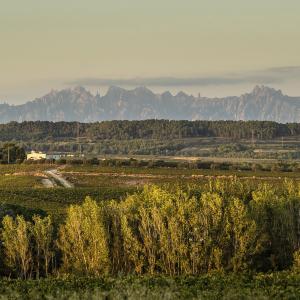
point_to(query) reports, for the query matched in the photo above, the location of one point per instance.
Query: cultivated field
(23, 192)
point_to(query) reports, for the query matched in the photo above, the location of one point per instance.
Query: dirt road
(57, 177)
(48, 183)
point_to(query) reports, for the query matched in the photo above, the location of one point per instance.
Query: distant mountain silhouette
(78, 104)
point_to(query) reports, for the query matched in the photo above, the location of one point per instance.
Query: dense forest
(148, 129)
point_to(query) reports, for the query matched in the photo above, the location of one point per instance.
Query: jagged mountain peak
(77, 90)
(261, 90)
(166, 94)
(53, 92)
(78, 104)
(80, 90)
(142, 90)
(182, 94)
(114, 91)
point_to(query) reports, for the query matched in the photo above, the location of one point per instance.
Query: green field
(22, 184)
(271, 286)
(22, 191)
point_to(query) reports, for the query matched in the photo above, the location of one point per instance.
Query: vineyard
(127, 232)
(281, 285)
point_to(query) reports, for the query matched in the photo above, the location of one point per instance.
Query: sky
(211, 47)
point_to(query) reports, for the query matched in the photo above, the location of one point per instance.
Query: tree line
(280, 166)
(148, 129)
(11, 153)
(224, 226)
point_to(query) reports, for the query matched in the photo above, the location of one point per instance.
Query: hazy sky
(57, 43)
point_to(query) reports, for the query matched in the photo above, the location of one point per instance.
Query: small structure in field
(33, 155)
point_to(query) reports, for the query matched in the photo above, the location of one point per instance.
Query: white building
(54, 156)
(36, 155)
(40, 155)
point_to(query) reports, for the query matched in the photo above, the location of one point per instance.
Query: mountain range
(78, 104)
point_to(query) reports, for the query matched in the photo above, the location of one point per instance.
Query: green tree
(16, 242)
(42, 233)
(82, 240)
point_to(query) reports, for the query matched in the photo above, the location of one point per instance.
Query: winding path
(48, 183)
(54, 174)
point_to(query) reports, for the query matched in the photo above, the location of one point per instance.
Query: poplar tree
(82, 240)
(17, 248)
